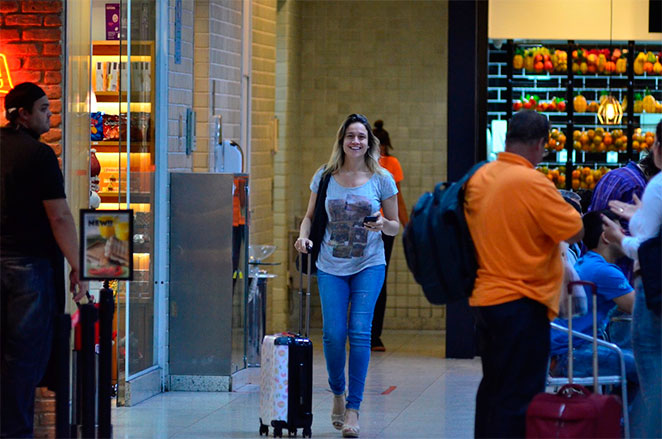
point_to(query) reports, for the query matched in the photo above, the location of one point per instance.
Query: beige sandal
(351, 428)
(338, 411)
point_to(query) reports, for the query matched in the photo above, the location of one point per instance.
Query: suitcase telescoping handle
(304, 317)
(594, 295)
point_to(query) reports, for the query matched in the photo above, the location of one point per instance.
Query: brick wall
(288, 158)
(31, 37)
(216, 68)
(262, 158)
(180, 85)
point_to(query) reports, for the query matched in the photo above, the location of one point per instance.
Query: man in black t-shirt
(36, 228)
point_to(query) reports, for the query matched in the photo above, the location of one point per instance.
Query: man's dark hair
(24, 95)
(648, 165)
(593, 227)
(586, 196)
(527, 126)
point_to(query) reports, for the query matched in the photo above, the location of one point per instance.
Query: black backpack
(438, 246)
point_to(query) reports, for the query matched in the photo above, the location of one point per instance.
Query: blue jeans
(647, 345)
(336, 293)
(27, 294)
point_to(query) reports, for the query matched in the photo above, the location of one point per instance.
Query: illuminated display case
(566, 81)
(122, 136)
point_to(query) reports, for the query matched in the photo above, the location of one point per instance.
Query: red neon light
(5, 77)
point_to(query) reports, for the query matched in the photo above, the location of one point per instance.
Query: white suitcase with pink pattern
(286, 377)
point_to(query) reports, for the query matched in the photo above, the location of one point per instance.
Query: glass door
(123, 141)
(137, 119)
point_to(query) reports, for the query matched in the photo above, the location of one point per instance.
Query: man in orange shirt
(517, 219)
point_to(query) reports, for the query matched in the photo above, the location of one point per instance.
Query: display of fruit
(648, 63)
(642, 140)
(579, 103)
(555, 175)
(599, 61)
(599, 140)
(556, 140)
(649, 103)
(584, 177)
(528, 102)
(540, 60)
(518, 59)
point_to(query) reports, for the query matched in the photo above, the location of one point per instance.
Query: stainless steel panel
(200, 274)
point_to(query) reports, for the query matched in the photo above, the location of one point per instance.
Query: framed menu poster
(106, 242)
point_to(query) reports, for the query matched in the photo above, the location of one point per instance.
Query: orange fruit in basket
(576, 135)
(635, 145)
(576, 174)
(584, 138)
(649, 141)
(561, 138)
(586, 171)
(575, 183)
(589, 179)
(591, 134)
(607, 139)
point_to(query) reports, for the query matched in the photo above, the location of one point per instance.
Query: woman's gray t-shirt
(348, 247)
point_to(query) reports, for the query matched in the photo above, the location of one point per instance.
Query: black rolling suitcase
(286, 374)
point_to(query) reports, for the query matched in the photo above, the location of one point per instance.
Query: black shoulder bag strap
(318, 226)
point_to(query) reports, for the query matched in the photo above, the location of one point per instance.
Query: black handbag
(650, 261)
(317, 228)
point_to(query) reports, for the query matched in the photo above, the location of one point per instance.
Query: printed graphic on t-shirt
(348, 237)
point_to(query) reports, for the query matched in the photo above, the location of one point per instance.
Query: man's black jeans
(27, 301)
(513, 342)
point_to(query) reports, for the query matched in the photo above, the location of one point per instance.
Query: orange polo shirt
(517, 219)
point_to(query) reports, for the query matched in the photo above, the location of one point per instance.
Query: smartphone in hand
(369, 219)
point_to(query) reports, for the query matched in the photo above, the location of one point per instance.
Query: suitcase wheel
(307, 432)
(291, 433)
(264, 429)
(278, 432)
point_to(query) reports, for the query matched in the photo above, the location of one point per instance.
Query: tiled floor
(430, 397)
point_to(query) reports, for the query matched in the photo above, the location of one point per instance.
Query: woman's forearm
(304, 229)
(391, 227)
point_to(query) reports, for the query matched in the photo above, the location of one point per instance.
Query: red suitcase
(575, 412)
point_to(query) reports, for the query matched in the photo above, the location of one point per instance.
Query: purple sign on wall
(112, 21)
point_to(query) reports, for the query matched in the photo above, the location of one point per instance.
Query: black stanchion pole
(62, 335)
(77, 399)
(88, 317)
(106, 311)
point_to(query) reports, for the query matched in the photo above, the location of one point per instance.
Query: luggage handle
(594, 294)
(306, 317)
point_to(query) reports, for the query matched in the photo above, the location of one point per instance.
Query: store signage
(5, 76)
(112, 21)
(106, 242)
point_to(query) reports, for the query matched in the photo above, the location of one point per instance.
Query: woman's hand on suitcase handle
(303, 245)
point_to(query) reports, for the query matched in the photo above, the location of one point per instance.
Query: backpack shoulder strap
(472, 171)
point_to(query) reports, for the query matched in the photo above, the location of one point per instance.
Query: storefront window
(122, 133)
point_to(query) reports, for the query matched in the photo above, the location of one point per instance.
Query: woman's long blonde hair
(371, 156)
